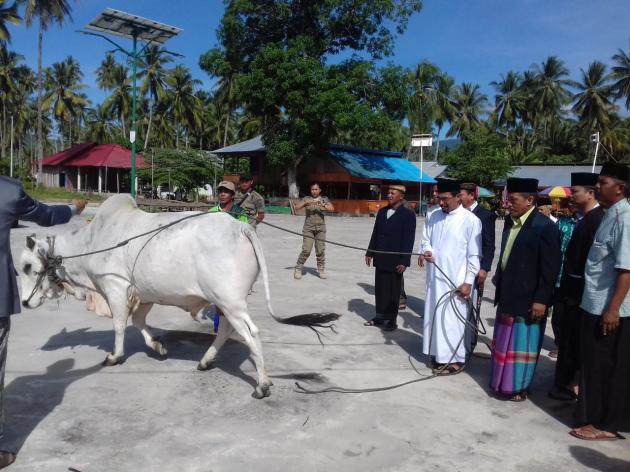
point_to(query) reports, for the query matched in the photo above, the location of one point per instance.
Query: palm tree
(105, 72)
(118, 104)
(99, 125)
(444, 107)
(186, 108)
(469, 105)
(550, 93)
(621, 74)
(63, 83)
(422, 102)
(594, 99)
(154, 83)
(225, 96)
(9, 69)
(509, 100)
(7, 15)
(47, 12)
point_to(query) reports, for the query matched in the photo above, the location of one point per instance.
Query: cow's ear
(30, 242)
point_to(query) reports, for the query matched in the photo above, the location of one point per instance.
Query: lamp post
(136, 28)
(595, 139)
(421, 141)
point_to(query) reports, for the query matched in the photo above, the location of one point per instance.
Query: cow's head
(39, 279)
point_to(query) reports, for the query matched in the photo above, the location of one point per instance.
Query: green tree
(153, 75)
(99, 126)
(593, 103)
(469, 105)
(118, 103)
(483, 158)
(621, 74)
(422, 102)
(185, 106)
(46, 12)
(8, 15)
(550, 92)
(445, 108)
(509, 100)
(9, 70)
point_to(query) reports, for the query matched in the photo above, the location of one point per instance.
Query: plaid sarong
(515, 350)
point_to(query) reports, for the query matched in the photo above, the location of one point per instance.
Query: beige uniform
(252, 202)
(314, 227)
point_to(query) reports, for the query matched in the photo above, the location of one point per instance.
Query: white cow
(211, 258)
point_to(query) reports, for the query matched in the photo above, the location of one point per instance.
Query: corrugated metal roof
(381, 165)
(431, 168)
(251, 145)
(549, 176)
(94, 155)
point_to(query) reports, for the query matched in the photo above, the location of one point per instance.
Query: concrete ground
(63, 410)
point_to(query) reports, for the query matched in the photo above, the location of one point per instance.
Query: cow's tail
(310, 320)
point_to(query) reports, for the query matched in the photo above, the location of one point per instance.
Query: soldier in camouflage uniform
(249, 200)
(314, 227)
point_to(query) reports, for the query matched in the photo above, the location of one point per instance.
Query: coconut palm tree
(509, 100)
(422, 101)
(550, 92)
(444, 106)
(470, 104)
(154, 84)
(9, 70)
(8, 15)
(63, 84)
(593, 103)
(118, 104)
(46, 12)
(186, 108)
(105, 72)
(99, 126)
(621, 74)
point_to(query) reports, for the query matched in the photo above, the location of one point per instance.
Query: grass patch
(59, 194)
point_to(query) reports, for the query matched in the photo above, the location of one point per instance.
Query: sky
(473, 40)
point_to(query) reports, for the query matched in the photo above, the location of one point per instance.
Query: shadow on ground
(31, 398)
(597, 460)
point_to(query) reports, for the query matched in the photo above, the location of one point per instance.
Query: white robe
(455, 240)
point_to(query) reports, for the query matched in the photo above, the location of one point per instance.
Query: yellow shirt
(514, 230)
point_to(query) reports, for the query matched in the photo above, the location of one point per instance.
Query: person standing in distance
(15, 205)
(314, 230)
(249, 200)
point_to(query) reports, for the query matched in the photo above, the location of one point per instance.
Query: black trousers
(5, 326)
(604, 398)
(566, 313)
(403, 294)
(387, 293)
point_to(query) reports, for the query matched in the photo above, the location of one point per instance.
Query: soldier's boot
(297, 273)
(322, 272)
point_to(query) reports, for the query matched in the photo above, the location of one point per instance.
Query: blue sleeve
(44, 215)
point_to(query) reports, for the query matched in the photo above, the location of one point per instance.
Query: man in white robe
(451, 239)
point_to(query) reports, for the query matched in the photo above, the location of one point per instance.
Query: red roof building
(90, 167)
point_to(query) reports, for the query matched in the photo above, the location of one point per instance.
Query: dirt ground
(64, 410)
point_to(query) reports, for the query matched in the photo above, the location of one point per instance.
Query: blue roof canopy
(382, 165)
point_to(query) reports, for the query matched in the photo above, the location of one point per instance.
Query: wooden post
(117, 180)
(100, 180)
(79, 179)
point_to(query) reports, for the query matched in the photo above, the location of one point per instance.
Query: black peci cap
(448, 185)
(583, 179)
(618, 171)
(516, 185)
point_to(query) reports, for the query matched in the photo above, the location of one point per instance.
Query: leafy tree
(8, 15)
(621, 74)
(153, 75)
(509, 100)
(483, 158)
(469, 105)
(119, 103)
(185, 106)
(594, 99)
(46, 12)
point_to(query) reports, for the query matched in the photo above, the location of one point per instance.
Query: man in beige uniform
(250, 200)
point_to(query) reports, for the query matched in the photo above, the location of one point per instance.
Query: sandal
(448, 369)
(402, 306)
(374, 322)
(518, 397)
(593, 434)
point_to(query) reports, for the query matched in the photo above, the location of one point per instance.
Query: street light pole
(595, 138)
(134, 66)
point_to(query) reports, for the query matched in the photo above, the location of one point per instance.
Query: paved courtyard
(64, 410)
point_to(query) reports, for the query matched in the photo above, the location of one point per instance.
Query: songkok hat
(516, 185)
(227, 186)
(583, 179)
(618, 171)
(400, 188)
(246, 177)
(544, 201)
(448, 185)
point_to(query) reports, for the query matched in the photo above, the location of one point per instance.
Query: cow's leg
(225, 330)
(139, 320)
(120, 313)
(244, 326)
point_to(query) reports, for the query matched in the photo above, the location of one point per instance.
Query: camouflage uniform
(252, 202)
(315, 227)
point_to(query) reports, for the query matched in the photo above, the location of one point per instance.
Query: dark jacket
(394, 234)
(532, 267)
(488, 219)
(16, 205)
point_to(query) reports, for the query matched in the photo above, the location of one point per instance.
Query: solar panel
(127, 25)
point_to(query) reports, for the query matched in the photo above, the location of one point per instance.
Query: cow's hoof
(261, 392)
(203, 367)
(112, 361)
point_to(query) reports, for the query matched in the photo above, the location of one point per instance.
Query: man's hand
(464, 290)
(538, 311)
(428, 256)
(481, 277)
(368, 261)
(80, 205)
(610, 321)
(421, 260)
(400, 268)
